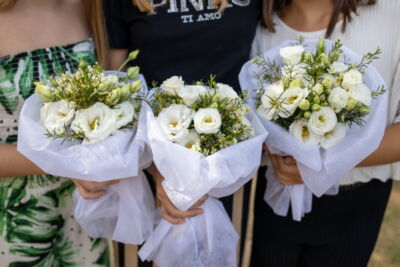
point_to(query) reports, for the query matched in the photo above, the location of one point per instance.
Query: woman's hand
(92, 190)
(285, 169)
(169, 211)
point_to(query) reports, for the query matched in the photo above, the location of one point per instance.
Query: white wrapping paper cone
(320, 169)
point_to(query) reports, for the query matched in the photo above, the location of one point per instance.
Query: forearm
(388, 151)
(12, 163)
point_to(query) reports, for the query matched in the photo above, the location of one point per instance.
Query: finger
(288, 170)
(200, 202)
(173, 211)
(290, 161)
(171, 219)
(88, 194)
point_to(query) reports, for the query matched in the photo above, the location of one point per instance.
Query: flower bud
(214, 105)
(295, 83)
(133, 55)
(318, 88)
(256, 61)
(113, 98)
(307, 114)
(105, 86)
(351, 104)
(286, 82)
(364, 110)
(83, 64)
(44, 92)
(135, 86)
(321, 45)
(307, 57)
(325, 59)
(315, 107)
(125, 92)
(133, 72)
(327, 82)
(316, 100)
(335, 56)
(304, 104)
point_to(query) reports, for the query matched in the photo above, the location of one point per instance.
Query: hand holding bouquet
(320, 106)
(88, 126)
(204, 140)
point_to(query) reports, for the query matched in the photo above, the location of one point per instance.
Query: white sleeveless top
(375, 26)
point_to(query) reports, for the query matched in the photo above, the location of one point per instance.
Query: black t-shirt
(185, 37)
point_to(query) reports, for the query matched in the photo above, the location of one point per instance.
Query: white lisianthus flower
(97, 123)
(173, 85)
(270, 100)
(322, 121)
(291, 100)
(191, 93)
(338, 67)
(291, 55)
(207, 121)
(175, 120)
(351, 78)
(55, 116)
(125, 113)
(226, 91)
(338, 99)
(361, 93)
(335, 136)
(299, 129)
(190, 140)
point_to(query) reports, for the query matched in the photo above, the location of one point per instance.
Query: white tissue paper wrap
(126, 212)
(208, 239)
(320, 169)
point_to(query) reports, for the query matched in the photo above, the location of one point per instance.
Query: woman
(187, 38)
(38, 39)
(341, 230)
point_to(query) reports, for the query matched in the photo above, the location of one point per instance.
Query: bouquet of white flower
(316, 104)
(204, 140)
(88, 126)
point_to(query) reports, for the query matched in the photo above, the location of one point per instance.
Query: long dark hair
(341, 7)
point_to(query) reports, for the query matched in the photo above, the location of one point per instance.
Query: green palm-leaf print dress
(36, 223)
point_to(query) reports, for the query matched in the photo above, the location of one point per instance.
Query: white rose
(191, 93)
(173, 85)
(298, 71)
(270, 100)
(292, 54)
(299, 129)
(338, 99)
(335, 136)
(190, 140)
(125, 112)
(291, 100)
(226, 91)
(207, 121)
(338, 67)
(361, 93)
(322, 121)
(97, 123)
(55, 116)
(351, 78)
(174, 121)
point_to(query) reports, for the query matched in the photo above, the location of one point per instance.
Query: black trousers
(341, 230)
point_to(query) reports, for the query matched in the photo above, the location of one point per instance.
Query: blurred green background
(387, 250)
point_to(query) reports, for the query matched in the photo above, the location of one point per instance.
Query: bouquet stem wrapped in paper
(89, 126)
(193, 166)
(323, 105)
